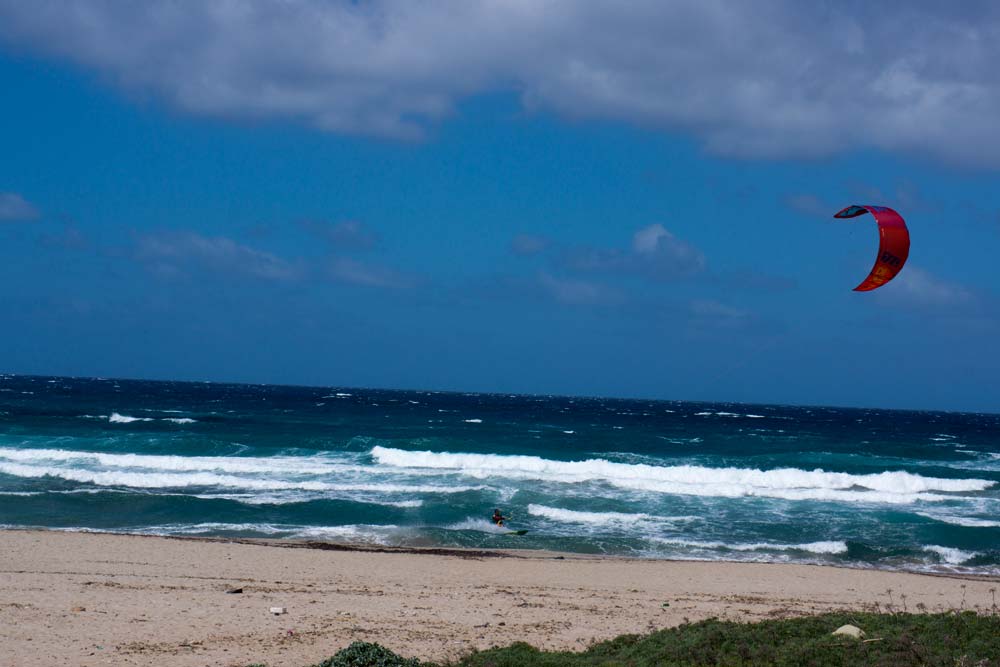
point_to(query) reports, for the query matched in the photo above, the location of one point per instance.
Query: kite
(893, 244)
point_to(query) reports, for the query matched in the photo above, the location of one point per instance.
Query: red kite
(893, 244)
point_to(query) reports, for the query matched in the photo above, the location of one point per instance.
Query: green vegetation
(363, 654)
(891, 640)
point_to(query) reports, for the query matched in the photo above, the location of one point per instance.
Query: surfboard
(516, 532)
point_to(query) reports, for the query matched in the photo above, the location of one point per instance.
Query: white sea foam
(479, 525)
(950, 555)
(401, 503)
(473, 421)
(354, 533)
(60, 493)
(180, 420)
(116, 418)
(162, 480)
(824, 547)
(727, 414)
(374, 534)
(315, 473)
(967, 521)
(589, 518)
(789, 483)
(296, 496)
(287, 465)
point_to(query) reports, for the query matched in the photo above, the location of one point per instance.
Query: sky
(545, 197)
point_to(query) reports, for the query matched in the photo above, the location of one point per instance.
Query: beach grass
(956, 639)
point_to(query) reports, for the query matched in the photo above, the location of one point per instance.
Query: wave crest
(896, 487)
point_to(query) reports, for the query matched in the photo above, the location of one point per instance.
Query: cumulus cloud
(347, 234)
(655, 254)
(576, 292)
(528, 244)
(170, 254)
(706, 312)
(355, 272)
(915, 286)
(15, 208)
(69, 238)
(753, 280)
(775, 78)
(811, 205)
(665, 253)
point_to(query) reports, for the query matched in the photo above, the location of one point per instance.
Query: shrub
(364, 654)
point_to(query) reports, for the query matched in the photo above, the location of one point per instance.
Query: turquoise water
(651, 479)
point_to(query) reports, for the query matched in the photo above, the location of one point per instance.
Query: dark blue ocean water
(652, 479)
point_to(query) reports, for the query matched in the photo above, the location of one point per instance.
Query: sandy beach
(95, 599)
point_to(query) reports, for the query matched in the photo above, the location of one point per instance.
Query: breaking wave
(825, 547)
(159, 472)
(894, 487)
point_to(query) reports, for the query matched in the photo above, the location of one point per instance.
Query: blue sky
(524, 197)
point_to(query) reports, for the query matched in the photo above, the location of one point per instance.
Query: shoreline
(477, 552)
(93, 598)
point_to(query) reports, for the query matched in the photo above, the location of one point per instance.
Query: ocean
(635, 478)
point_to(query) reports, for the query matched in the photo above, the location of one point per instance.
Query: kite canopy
(893, 244)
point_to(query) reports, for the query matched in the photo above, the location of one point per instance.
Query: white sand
(90, 599)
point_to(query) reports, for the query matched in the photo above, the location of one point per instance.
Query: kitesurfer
(499, 518)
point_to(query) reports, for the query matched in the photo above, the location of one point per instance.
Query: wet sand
(93, 599)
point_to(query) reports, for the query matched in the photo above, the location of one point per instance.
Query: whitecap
(116, 418)
(967, 521)
(950, 555)
(589, 518)
(826, 547)
(894, 487)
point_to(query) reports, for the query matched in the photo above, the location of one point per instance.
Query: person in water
(499, 518)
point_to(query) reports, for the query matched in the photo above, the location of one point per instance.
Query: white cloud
(577, 292)
(915, 286)
(528, 244)
(69, 237)
(716, 309)
(811, 205)
(713, 313)
(14, 207)
(664, 252)
(366, 274)
(656, 254)
(168, 254)
(344, 234)
(775, 78)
